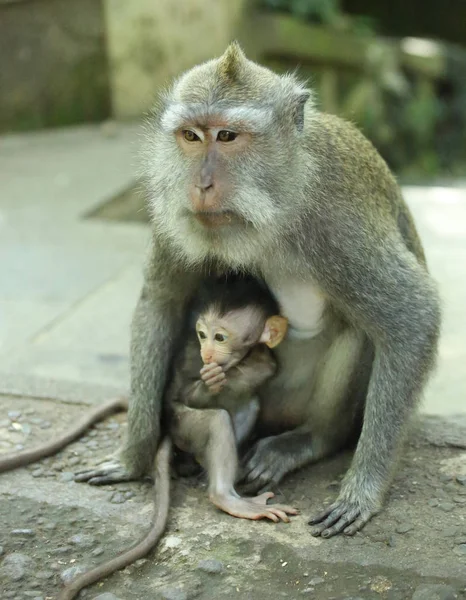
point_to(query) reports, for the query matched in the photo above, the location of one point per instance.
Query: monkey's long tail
(8, 462)
(159, 521)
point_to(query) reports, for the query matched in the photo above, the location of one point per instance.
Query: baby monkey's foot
(214, 377)
(253, 508)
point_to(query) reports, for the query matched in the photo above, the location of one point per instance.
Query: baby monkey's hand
(214, 377)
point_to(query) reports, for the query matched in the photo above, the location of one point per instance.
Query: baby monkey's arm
(252, 371)
(240, 379)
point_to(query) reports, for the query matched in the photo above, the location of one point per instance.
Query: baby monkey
(211, 403)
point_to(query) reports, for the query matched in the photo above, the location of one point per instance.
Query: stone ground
(68, 284)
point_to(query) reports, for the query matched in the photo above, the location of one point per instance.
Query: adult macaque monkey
(244, 172)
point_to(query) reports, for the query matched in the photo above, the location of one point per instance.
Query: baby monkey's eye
(201, 335)
(219, 337)
(190, 136)
(226, 136)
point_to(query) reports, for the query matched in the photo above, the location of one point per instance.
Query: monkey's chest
(303, 304)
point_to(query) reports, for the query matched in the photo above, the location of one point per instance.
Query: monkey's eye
(226, 136)
(190, 136)
(219, 337)
(201, 335)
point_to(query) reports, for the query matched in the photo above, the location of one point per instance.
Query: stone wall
(53, 68)
(150, 41)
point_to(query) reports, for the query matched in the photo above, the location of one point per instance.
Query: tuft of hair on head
(231, 63)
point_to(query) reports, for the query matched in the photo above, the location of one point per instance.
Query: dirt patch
(52, 527)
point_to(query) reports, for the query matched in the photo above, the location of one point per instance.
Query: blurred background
(78, 76)
(397, 69)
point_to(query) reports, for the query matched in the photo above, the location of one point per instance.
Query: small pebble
(82, 539)
(24, 532)
(61, 550)
(316, 580)
(433, 502)
(97, 551)
(404, 528)
(459, 499)
(66, 476)
(446, 506)
(68, 574)
(117, 498)
(13, 415)
(461, 479)
(460, 550)
(210, 565)
(73, 461)
(38, 472)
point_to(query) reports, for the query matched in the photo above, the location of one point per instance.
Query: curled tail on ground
(161, 506)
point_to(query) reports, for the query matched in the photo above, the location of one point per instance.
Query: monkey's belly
(286, 400)
(303, 304)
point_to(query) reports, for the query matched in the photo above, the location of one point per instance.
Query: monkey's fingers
(338, 517)
(110, 472)
(210, 370)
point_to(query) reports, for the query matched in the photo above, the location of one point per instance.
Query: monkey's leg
(328, 423)
(244, 420)
(209, 435)
(156, 322)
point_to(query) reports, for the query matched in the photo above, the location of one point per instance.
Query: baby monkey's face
(226, 339)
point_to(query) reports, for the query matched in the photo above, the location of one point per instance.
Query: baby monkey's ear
(274, 331)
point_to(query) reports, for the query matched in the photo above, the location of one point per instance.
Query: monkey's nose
(204, 186)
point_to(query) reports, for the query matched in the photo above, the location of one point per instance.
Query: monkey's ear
(274, 331)
(302, 97)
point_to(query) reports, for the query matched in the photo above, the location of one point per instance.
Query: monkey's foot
(253, 508)
(111, 471)
(344, 516)
(266, 464)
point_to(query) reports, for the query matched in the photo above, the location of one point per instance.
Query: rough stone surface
(15, 566)
(210, 565)
(434, 592)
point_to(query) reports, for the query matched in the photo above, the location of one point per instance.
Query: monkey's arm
(240, 379)
(157, 320)
(209, 435)
(390, 295)
(258, 366)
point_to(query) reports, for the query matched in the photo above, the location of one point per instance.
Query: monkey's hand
(214, 377)
(253, 508)
(109, 471)
(351, 511)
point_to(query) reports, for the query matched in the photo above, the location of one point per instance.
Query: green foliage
(317, 11)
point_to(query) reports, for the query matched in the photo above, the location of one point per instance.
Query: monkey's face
(226, 339)
(219, 160)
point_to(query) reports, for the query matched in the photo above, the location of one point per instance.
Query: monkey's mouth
(216, 219)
